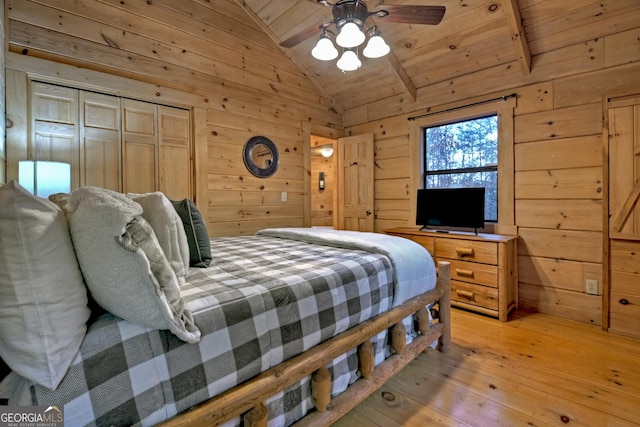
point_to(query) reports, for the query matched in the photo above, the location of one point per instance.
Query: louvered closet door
(54, 124)
(100, 140)
(140, 146)
(624, 216)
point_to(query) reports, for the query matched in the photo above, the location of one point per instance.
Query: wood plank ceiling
(473, 35)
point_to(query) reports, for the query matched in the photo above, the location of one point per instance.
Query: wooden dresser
(483, 267)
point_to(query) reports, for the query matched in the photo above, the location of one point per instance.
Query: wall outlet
(592, 286)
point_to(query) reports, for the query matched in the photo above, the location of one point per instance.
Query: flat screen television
(450, 207)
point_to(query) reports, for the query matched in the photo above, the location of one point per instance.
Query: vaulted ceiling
(473, 35)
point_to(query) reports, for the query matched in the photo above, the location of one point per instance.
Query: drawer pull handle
(461, 272)
(464, 251)
(465, 294)
(624, 301)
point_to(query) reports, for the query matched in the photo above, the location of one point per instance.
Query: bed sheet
(262, 301)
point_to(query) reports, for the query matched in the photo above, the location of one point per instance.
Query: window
(464, 154)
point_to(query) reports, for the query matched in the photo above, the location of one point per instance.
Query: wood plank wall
(558, 149)
(212, 50)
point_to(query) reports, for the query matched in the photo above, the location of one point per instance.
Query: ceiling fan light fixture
(376, 47)
(350, 35)
(324, 49)
(349, 61)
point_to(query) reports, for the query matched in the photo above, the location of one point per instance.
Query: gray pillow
(167, 225)
(196, 231)
(124, 265)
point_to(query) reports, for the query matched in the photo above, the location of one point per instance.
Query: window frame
(451, 113)
(474, 169)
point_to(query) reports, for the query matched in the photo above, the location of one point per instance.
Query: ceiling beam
(243, 5)
(519, 38)
(402, 75)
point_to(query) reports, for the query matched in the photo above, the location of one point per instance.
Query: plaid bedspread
(263, 300)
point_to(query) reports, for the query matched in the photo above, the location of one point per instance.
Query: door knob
(369, 212)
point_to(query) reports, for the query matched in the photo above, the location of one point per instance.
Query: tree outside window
(464, 154)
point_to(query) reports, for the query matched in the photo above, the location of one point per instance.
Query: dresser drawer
(468, 293)
(473, 272)
(427, 242)
(467, 250)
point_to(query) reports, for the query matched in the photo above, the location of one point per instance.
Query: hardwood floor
(534, 370)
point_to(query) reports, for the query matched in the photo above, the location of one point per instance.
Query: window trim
(504, 109)
(471, 169)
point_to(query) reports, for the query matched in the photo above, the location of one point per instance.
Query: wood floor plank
(534, 370)
(390, 406)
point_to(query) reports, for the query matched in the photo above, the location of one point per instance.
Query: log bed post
(321, 389)
(398, 337)
(257, 417)
(366, 359)
(444, 305)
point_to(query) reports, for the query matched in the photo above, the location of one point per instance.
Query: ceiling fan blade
(413, 14)
(313, 30)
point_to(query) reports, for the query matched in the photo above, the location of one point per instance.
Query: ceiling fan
(349, 17)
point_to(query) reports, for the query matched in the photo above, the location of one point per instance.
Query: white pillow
(43, 299)
(123, 264)
(167, 225)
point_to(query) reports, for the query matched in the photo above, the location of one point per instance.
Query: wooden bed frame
(247, 398)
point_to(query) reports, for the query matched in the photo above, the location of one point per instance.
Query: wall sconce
(327, 152)
(44, 178)
(321, 181)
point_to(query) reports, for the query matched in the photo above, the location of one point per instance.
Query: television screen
(451, 207)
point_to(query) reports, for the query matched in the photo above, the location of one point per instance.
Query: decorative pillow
(123, 264)
(168, 228)
(62, 200)
(196, 231)
(43, 299)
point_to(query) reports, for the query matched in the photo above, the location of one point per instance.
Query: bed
(289, 326)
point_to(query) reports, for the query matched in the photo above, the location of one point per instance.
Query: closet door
(175, 152)
(100, 141)
(140, 146)
(54, 125)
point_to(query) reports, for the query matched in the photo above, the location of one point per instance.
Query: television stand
(484, 271)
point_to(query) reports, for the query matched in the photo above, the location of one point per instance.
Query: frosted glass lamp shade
(376, 48)
(349, 61)
(44, 178)
(324, 50)
(350, 36)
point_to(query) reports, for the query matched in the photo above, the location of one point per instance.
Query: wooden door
(54, 123)
(356, 182)
(622, 293)
(624, 166)
(100, 141)
(175, 152)
(140, 146)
